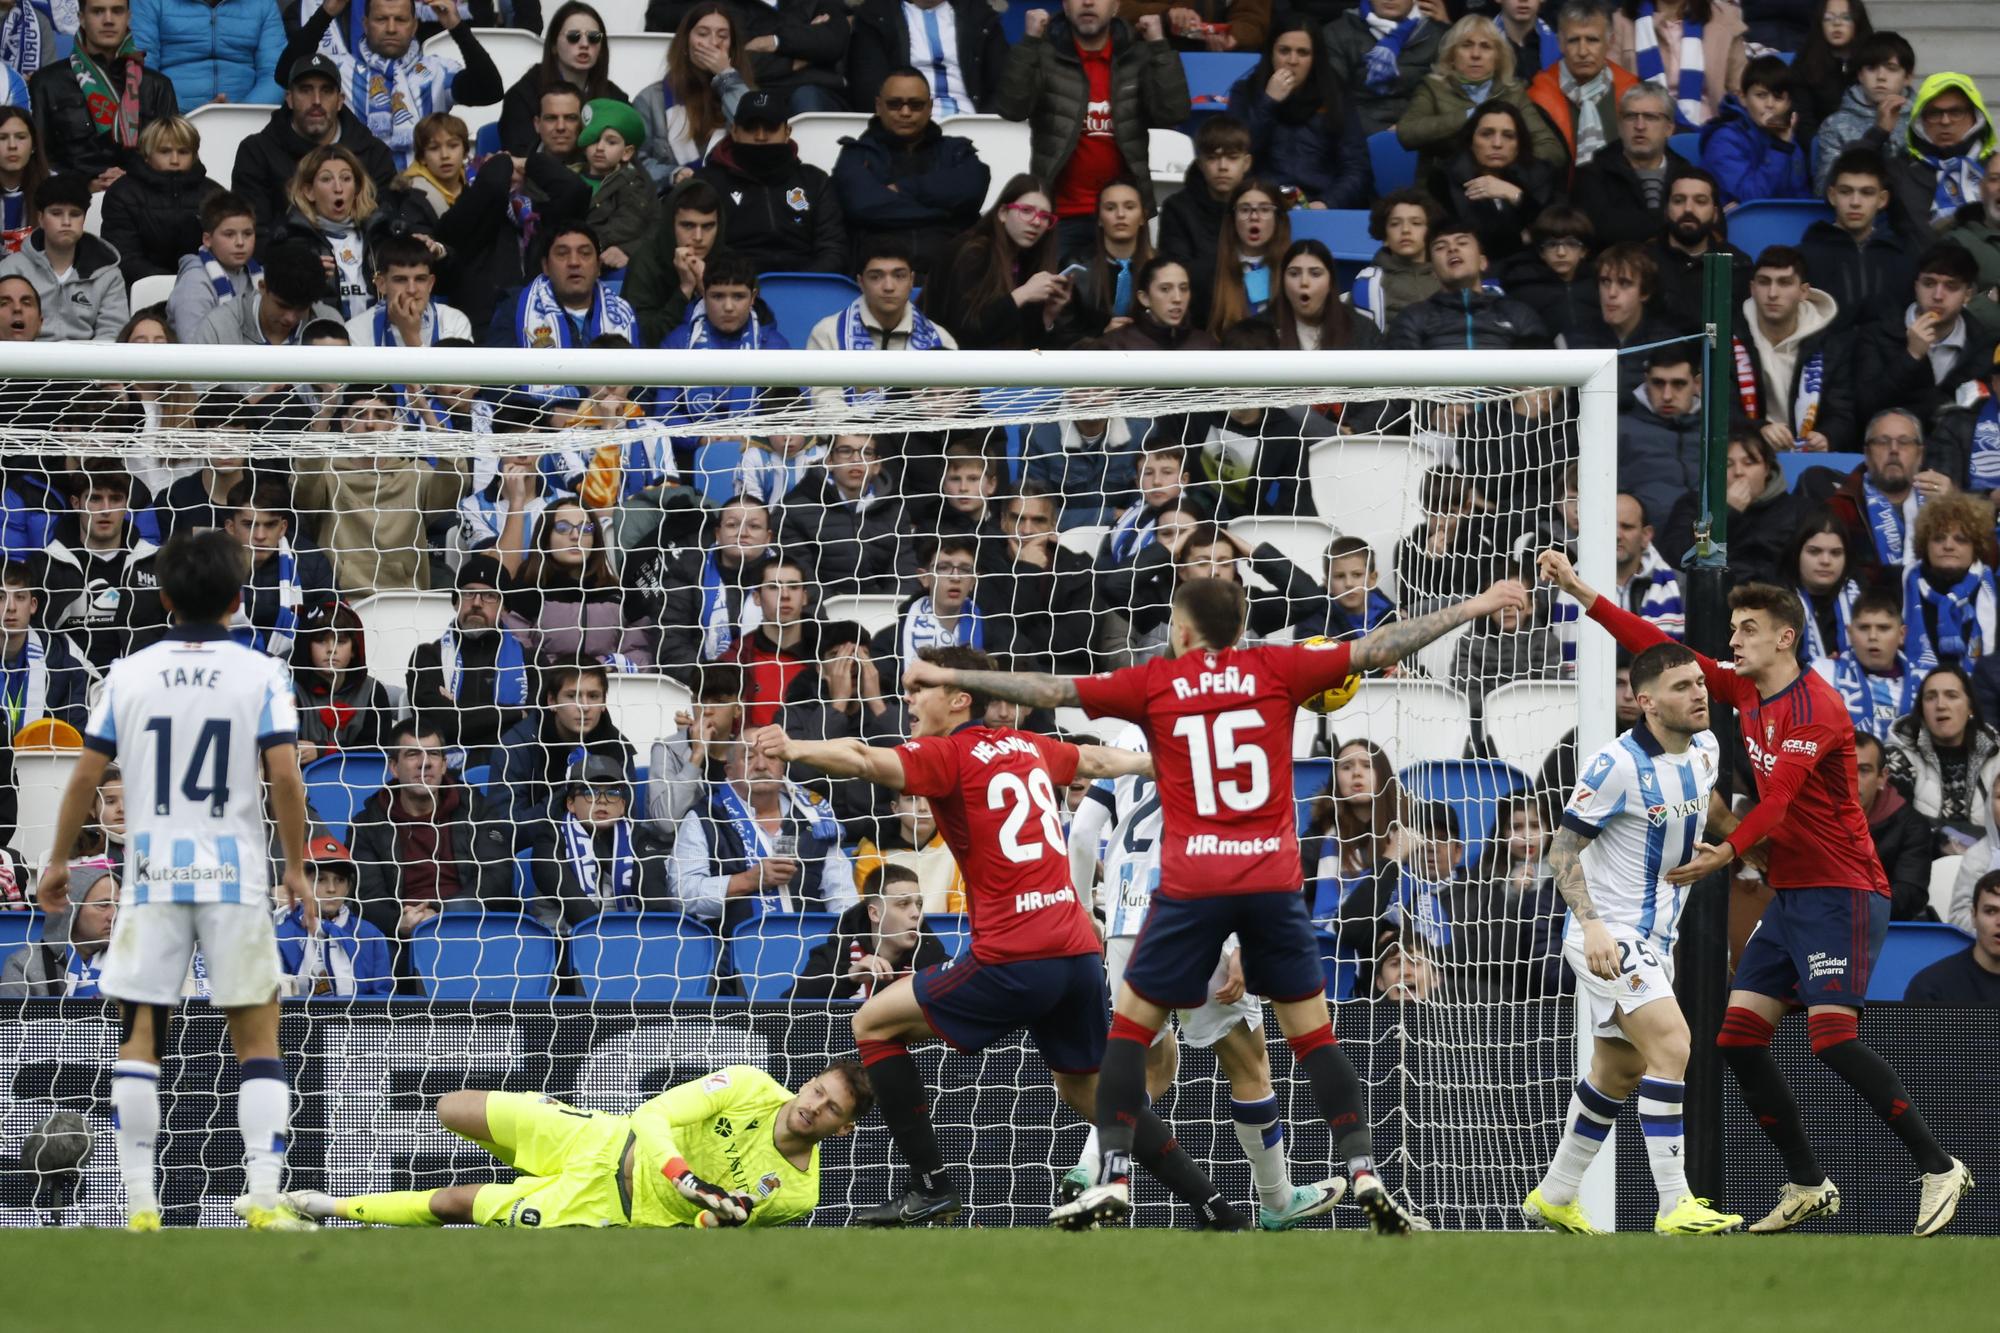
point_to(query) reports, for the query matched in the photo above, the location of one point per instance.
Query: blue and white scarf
(81, 975)
(224, 285)
(718, 630)
(1985, 467)
(1813, 645)
(277, 641)
(390, 96)
(1418, 908)
(697, 402)
(510, 669)
(1890, 523)
(21, 35)
(24, 689)
(1550, 43)
(1964, 613)
(1131, 534)
(923, 628)
(1958, 176)
(386, 335)
(1875, 702)
(1693, 73)
(541, 321)
(854, 335)
(728, 806)
(580, 848)
(1380, 70)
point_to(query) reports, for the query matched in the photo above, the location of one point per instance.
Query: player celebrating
(1218, 720)
(1636, 814)
(190, 720)
(1230, 1022)
(736, 1148)
(1820, 936)
(995, 793)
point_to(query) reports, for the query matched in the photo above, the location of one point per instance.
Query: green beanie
(608, 113)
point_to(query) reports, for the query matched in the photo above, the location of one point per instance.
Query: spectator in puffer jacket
(341, 706)
(1303, 127)
(1875, 110)
(1752, 145)
(314, 115)
(1945, 759)
(152, 214)
(1382, 51)
(74, 274)
(212, 50)
(906, 177)
(1463, 314)
(104, 66)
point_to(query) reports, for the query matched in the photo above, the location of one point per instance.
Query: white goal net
(532, 601)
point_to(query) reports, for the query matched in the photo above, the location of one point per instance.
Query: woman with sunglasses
(1001, 289)
(576, 51)
(566, 602)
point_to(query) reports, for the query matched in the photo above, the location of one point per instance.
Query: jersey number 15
(1225, 754)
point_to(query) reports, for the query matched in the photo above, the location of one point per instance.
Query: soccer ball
(1337, 698)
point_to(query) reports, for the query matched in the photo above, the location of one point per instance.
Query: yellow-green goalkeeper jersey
(722, 1126)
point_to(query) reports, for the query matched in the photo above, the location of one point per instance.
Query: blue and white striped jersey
(1642, 811)
(188, 721)
(1131, 847)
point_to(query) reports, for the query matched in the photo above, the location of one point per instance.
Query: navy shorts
(1060, 1001)
(1815, 946)
(1175, 954)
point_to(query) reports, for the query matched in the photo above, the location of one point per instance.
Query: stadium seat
(1169, 153)
(1342, 230)
(39, 778)
(1911, 946)
(1394, 165)
(1369, 487)
(1074, 722)
(1001, 144)
(801, 300)
(1302, 540)
(1308, 735)
(715, 464)
(644, 956)
(476, 776)
(818, 134)
(1311, 779)
(152, 289)
(93, 216)
(1470, 787)
(1084, 539)
(1411, 719)
(394, 624)
(1944, 878)
(1435, 657)
(953, 931)
(476, 119)
(1764, 222)
(639, 58)
(17, 929)
(768, 952)
(1688, 145)
(338, 783)
(1525, 721)
(479, 955)
(873, 611)
(621, 17)
(514, 50)
(1211, 74)
(642, 706)
(224, 126)
(1795, 463)
(486, 139)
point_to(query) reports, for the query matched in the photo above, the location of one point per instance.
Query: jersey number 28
(1008, 789)
(1226, 754)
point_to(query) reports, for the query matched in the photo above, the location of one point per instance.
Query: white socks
(1089, 1159)
(263, 1113)
(1262, 1137)
(1591, 1115)
(1666, 1140)
(135, 1114)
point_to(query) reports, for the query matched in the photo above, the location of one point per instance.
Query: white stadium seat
(477, 118)
(39, 778)
(818, 134)
(874, 612)
(1077, 724)
(152, 290)
(1085, 539)
(1001, 144)
(1526, 720)
(1169, 153)
(224, 126)
(1435, 656)
(513, 50)
(621, 17)
(1944, 878)
(1303, 540)
(93, 216)
(642, 706)
(1369, 488)
(1414, 720)
(394, 624)
(638, 57)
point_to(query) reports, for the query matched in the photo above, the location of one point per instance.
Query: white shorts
(1648, 975)
(153, 943)
(1201, 1027)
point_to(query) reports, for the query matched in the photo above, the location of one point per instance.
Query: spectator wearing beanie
(624, 208)
(293, 293)
(475, 677)
(75, 274)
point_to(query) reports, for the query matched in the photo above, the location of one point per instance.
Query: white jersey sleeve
(1641, 811)
(1132, 850)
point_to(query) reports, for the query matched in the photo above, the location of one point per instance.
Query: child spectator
(565, 602)
(219, 270)
(535, 754)
(1162, 312)
(1501, 649)
(271, 309)
(944, 613)
(1119, 249)
(75, 275)
(1752, 146)
(771, 467)
(781, 644)
(1858, 259)
(1554, 276)
(687, 113)
(437, 167)
(1355, 603)
(152, 214)
(1000, 288)
(1400, 274)
(283, 580)
(1303, 127)
(341, 706)
(1874, 112)
(730, 316)
(1474, 67)
(345, 956)
(1382, 51)
(1945, 759)
(1873, 676)
(21, 171)
(623, 206)
(597, 857)
(332, 200)
(878, 941)
(406, 312)
(907, 845)
(1192, 219)
(1258, 230)
(1949, 596)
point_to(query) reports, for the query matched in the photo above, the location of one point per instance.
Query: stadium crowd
(1551, 208)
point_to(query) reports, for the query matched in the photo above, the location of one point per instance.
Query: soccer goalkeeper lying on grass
(733, 1149)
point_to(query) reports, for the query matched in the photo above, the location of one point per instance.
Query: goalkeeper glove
(729, 1210)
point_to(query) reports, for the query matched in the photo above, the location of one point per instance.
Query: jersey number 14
(211, 752)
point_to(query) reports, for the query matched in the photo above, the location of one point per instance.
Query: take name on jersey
(1641, 811)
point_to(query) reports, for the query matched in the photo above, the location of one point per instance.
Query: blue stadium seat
(476, 776)
(1796, 464)
(1395, 166)
(715, 468)
(1911, 947)
(953, 931)
(644, 956)
(483, 956)
(1310, 779)
(1211, 74)
(1014, 19)
(801, 300)
(769, 952)
(1470, 787)
(486, 140)
(1765, 222)
(1342, 967)
(1688, 145)
(17, 929)
(1343, 230)
(337, 784)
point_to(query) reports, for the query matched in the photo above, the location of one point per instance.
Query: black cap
(314, 64)
(481, 570)
(598, 770)
(762, 108)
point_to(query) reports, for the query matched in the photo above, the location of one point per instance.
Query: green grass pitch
(827, 1281)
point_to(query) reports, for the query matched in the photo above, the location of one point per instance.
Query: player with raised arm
(1218, 720)
(191, 721)
(996, 795)
(1635, 814)
(1822, 932)
(736, 1148)
(1124, 813)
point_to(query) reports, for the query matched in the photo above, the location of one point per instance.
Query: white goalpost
(554, 952)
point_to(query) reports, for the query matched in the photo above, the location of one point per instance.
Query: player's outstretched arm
(840, 759)
(1392, 643)
(78, 799)
(1600, 951)
(1104, 761)
(1034, 689)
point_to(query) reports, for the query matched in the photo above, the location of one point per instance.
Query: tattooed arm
(1600, 951)
(1034, 689)
(1394, 642)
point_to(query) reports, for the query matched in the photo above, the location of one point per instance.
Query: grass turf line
(1020, 1281)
